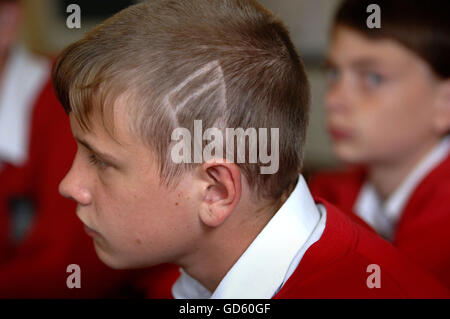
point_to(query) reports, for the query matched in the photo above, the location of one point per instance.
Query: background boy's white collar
(22, 80)
(272, 257)
(383, 216)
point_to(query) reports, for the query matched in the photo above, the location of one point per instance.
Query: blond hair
(173, 59)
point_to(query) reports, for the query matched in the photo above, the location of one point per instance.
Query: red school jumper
(336, 266)
(423, 231)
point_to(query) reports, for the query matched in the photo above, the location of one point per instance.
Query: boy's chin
(112, 260)
(348, 155)
(117, 262)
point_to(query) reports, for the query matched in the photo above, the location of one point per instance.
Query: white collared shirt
(22, 80)
(383, 216)
(271, 258)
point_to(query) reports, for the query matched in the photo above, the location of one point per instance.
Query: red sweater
(336, 266)
(422, 231)
(36, 267)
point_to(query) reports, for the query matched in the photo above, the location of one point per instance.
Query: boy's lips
(338, 134)
(91, 232)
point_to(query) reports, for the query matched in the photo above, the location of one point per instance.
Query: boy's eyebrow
(362, 63)
(93, 149)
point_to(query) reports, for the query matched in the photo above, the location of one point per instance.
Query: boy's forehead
(122, 153)
(107, 133)
(353, 48)
(352, 44)
(109, 121)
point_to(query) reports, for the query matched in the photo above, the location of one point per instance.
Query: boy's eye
(94, 160)
(332, 74)
(373, 79)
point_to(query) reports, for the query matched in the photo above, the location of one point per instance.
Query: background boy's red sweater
(422, 232)
(336, 266)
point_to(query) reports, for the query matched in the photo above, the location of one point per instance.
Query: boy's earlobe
(222, 192)
(213, 217)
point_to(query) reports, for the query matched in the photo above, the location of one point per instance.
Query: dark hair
(421, 26)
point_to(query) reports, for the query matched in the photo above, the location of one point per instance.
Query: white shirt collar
(272, 257)
(23, 78)
(384, 215)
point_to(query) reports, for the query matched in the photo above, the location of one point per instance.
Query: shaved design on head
(205, 84)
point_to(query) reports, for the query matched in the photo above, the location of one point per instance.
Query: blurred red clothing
(336, 266)
(422, 231)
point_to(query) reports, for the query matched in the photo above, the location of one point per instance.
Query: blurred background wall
(45, 32)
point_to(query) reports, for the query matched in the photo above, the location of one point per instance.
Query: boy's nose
(72, 187)
(337, 98)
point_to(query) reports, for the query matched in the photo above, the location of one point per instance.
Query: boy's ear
(222, 192)
(442, 121)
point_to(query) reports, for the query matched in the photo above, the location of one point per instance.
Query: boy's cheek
(116, 247)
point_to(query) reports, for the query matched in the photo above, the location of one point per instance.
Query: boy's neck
(387, 177)
(223, 247)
